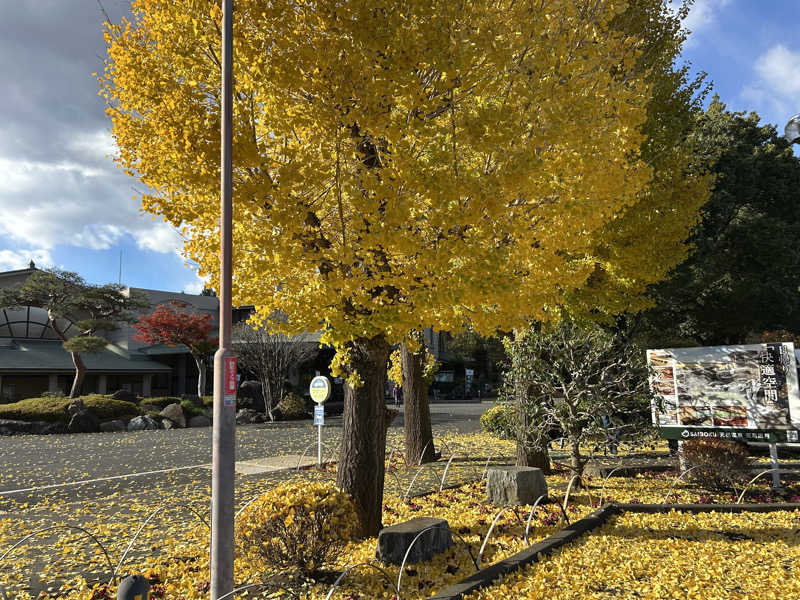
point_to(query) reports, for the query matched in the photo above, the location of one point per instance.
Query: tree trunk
(80, 371)
(416, 412)
(576, 460)
(527, 454)
(269, 402)
(201, 375)
(364, 423)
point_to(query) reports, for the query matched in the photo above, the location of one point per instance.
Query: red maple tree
(173, 327)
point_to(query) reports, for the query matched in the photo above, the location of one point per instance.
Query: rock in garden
(83, 422)
(124, 395)
(515, 485)
(394, 541)
(200, 421)
(174, 413)
(115, 425)
(141, 423)
(14, 427)
(246, 416)
(167, 424)
(249, 395)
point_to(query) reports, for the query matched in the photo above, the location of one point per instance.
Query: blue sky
(65, 204)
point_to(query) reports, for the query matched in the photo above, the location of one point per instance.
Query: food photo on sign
(751, 387)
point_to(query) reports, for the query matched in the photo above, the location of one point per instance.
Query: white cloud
(779, 69)
(96, 145)
(196, 286)
(83, 201)
(161, 237)
(701, 15)
(775, 92)
(11, 260)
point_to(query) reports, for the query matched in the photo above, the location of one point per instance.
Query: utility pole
(224, 428)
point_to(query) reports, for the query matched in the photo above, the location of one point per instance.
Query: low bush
(717, 464)
(500, 421)
(53, 409)
(298, 526)
(190, 410)
(292, 406)
(161, 401)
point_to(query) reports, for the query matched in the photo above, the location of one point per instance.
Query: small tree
(174, 327)
(568, 377)
(92, 309)
(269, 356)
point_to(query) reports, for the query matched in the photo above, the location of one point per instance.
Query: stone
(14, 427)
(83, 421)
(174, 413)
(250, 396)
(200, 421)
(515, 485)
(141, 423)
(247, 416)
(125, 395)
(115, 425)
(167, 424)
(393, 542)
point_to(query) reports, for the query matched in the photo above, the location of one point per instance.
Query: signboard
(319, 415)
(320, 389)
(746, 392)
(229, 395)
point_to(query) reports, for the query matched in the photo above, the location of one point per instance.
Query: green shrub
(53, 409)
(161, 401)
(190, 410)
(717, 464)
(500, 421)
(208, 401)
(292, 406)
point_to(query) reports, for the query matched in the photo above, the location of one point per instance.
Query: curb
(532, 554)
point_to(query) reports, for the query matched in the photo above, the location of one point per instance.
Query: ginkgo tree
(397, 165)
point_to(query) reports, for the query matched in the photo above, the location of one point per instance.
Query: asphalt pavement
(41, 466)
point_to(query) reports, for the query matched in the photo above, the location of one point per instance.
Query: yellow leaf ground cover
(173, 547)
(708, 556)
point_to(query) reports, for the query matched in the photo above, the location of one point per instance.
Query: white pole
(319, 445)
(776, 474)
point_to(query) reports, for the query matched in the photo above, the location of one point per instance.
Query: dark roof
(21, 355)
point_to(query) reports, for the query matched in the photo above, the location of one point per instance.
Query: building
(32, 360)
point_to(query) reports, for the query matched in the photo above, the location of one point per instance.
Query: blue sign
(319, 415)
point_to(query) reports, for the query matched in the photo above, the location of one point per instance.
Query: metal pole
(776, 474)
(319, 445)
(223, 442)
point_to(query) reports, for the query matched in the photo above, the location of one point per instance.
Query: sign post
(320, 390)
